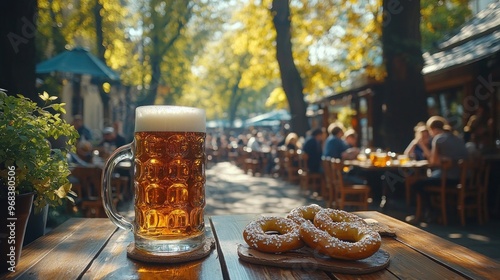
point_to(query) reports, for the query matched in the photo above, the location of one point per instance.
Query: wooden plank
(379, 275)
(36, 250)
(113, 263)
(407, 263)
(66, 252)
(466, 262)
(228, 231)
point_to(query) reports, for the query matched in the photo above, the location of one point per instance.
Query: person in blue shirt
(312, 146)
(334, 145)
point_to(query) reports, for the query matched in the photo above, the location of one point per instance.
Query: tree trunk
(58, 40)
(17, 47)
(290, 77)
(234, 102)
(150, 96)
(99, 31)
(404, 96)
(100, 54)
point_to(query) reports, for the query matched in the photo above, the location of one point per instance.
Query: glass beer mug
(168, 152)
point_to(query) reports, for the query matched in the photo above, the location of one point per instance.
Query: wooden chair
(410, 177)
(345, 192)
(251, 162)
(120, 187)
(469, 194)
(292, 168)
(330, 187)
(440, 191)
(241, 157)
(280, 162)
(473, 189)
(233, 154)
(309, 181)
(89, 180)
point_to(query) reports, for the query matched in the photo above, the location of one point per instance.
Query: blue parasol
(77, 61)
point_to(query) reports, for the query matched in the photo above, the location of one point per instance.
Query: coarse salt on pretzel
(256, 235)
(328, 218)
(304, 213)
(345, 240)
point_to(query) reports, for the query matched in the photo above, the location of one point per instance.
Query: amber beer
(169, 179)
(381, 159)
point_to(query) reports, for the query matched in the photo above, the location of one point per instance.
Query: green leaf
(44, 96)
(24, 129)
(20, 163)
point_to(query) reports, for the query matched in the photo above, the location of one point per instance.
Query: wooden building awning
(364, 90)
(477, 39)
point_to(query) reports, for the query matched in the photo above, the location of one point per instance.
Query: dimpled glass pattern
(169, 183)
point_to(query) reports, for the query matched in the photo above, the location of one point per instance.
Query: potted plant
(30, 169)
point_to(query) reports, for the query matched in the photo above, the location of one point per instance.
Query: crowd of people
(335, 142)
(434, 140)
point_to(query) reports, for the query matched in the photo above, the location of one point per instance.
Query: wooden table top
(96, 249)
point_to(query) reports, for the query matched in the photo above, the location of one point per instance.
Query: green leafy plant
(25, 150)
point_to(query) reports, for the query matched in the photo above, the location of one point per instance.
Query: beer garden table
(392, 174)
(84, 248)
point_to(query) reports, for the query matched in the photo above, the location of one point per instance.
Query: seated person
(415, 149)
(336, 147)
(354, 176)
(83, 154)
(292, 142)
(312, 147)
(111, 141)
(351, 139)
(445, 144)
(83, 131)
(254, 142)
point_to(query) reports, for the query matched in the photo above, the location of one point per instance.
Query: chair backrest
(337, 167)
(474, 174)
(484, 175)
(281, 156)
(89, 179)
(288, 158)
(446, 164)
(291, 165)
(327, 169)
(292, 158)
(303, 158)
(325, 163)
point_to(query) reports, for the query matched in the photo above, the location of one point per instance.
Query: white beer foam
(169, 118)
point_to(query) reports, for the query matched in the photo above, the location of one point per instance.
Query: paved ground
(230, 191)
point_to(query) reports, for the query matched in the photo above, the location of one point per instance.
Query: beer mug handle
(120, 154)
